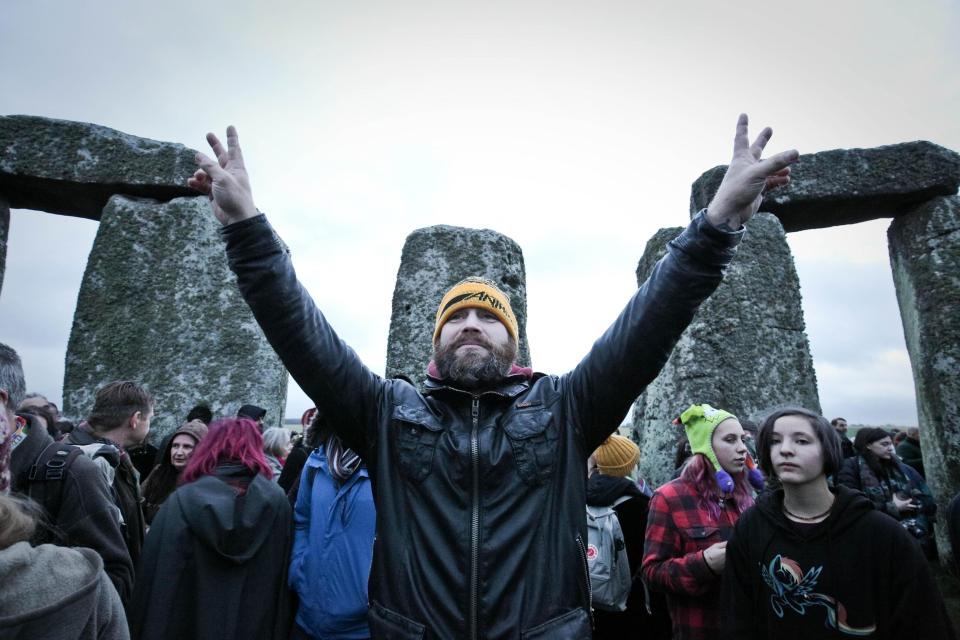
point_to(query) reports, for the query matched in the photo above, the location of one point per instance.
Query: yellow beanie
(479, 293)
(616, 456)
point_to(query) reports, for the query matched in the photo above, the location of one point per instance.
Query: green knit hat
(699, 423)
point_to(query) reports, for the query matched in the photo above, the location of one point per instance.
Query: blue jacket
(332, 551)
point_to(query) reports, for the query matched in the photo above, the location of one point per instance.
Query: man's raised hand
(748, 178)
(225, 180)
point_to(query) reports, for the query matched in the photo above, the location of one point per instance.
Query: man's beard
(474, 368)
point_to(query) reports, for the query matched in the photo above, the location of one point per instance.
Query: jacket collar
(509, 387)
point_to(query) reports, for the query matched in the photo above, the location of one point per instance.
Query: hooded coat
(215, 562)
(57, 593)
(603, 490)
(855, 574)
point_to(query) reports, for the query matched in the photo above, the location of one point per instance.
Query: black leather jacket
(480, 496)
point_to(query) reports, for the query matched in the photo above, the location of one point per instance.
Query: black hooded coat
(214, 564)
(636, 621)
(855, 574)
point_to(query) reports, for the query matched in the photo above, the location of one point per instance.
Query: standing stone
(4, 234)
(925, 258)
(844, 186)
(159, 305)
(433, 260)
(745, 350)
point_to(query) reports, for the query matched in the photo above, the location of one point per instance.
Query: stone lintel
(846, 186)
(73, 168)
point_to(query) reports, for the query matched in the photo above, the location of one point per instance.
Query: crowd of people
(492, 502)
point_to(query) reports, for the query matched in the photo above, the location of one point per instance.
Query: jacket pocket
(572, 625)
(700, 537)
(417, 433)
(534, 444)
(390, 625)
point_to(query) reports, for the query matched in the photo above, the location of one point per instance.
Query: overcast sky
(574, 128)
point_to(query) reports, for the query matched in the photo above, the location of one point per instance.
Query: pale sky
(574, 128)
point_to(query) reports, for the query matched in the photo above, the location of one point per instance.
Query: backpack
(610, 577)
(43, 482)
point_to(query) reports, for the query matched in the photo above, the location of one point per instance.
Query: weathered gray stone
(4, 234)
(844, 186)
(433, 260)
(73, 168)
(159, 305)
(925, 258)
(745, 350)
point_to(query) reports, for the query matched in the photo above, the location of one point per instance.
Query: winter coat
(85, 512)
(602, 491)
(679, 529)
(334, 528)
(856, 474)
(856, 574)
(126, 489)
(215, 562)
(480, 495)
(909, 452)
(57, 593)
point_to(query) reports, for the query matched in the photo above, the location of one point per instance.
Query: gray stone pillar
(159, 305)
(433, 260)
(925, 258)
(4, 234)
(745, 351)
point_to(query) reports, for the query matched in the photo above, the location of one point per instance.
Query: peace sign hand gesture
(748, 178)
(225, 180)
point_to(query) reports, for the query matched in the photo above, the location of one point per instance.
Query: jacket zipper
(586, 575)
(475, 517)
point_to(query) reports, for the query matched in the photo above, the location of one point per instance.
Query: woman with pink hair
(691, 519)
(214, 562)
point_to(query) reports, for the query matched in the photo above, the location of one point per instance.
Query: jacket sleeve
(737, 606)
(327, 370)
(665, 566)
(89, 518)
(631, 353)
(301, 529)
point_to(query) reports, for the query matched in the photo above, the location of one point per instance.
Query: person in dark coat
(893, 487)
(646, 614)
(909, 450)
(298, 455)
(811, 562)
(214, 565)
(162, 481)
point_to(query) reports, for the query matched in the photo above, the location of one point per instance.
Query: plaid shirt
(678, 530)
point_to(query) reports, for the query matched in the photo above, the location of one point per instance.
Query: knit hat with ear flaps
(617, 456)
(699, 423)
(479, 293)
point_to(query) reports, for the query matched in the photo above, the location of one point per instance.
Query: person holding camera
(892, 486)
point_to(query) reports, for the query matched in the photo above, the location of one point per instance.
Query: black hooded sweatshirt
(602, 490)
(214, 564)
(856, 574)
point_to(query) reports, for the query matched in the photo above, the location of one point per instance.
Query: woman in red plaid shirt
(692, 517)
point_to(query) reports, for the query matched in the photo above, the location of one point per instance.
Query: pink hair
(229, 440)
(700, 473)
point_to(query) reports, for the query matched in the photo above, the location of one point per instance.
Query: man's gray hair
(11, 376)
(275, 441)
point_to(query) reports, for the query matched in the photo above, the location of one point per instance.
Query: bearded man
(480, 480)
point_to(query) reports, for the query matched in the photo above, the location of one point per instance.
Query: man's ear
(4, 397)
(134, 420)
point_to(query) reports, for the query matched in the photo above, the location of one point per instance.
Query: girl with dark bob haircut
(826, 434)
(810, 561)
